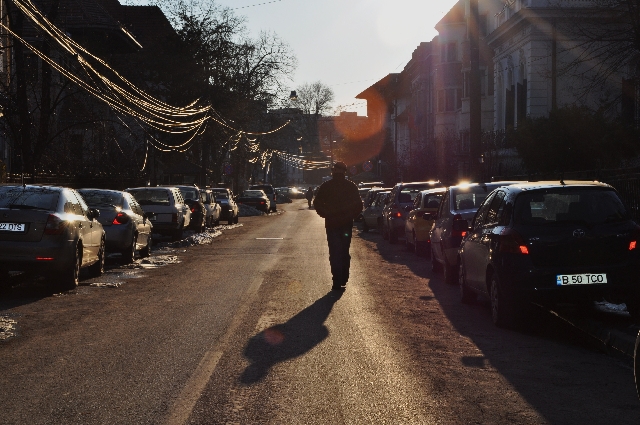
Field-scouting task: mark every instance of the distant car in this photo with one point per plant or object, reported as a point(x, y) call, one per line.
point(127, 227)
point(256, 199)
point(270, 191)
point(400, 203)
point(417, 226)
point(284, 195)
point(172, 214)
point(549, 242)
point(372, 215)
point(228, 207)
point(193, 198)
point(49, 230)
point(212, 208)
point(458, 203)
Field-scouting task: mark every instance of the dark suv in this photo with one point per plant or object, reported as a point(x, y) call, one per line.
point(270, 191)
point(550, 242)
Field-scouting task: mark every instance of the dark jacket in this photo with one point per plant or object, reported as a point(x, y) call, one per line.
point(338, 202)
point(309, 194)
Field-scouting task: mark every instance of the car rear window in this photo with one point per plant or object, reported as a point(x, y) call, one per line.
point(95, 198)
point(267, 189)
point(152, 196)
point(253, 193)
point(408, 195)
point(37, 198)
point(466, 198)
point(190, 193)
point(582, 205)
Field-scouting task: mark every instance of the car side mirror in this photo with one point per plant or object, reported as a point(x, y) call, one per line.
point(429, 216)
point(460, 226)
point(93, 213)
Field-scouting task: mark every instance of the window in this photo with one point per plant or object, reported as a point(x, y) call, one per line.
point(495, 211)
point(483, 211)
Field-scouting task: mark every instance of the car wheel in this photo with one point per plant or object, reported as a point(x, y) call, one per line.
point(129, 254)
point(450, 273)
point(68, 279)
point(146, 251)
point(176, 235)
point(636, 365)
point(503, 310)
point(97, 269)
point(216, 222)
point(365, 226)
point(467, 296)
point(435, 265)
point(393, 236)
point(5, 282)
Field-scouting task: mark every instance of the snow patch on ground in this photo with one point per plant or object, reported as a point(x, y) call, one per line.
point(247, 211)
point(7, 328)
point(611, 308)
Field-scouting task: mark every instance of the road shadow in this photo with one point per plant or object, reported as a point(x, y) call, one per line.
point(288, 340)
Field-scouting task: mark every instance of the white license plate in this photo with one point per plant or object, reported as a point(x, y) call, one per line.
point(12, 227)
point(581, 279)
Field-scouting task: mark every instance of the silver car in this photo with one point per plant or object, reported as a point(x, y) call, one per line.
point(127, 227)
point(211, 207)
point(49, 230)
point(172, 214)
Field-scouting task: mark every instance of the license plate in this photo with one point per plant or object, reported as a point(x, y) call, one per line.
point(12, 227)
point(581, 279)
point(152, 218)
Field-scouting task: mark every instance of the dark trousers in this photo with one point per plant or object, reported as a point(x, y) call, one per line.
point(339, 239)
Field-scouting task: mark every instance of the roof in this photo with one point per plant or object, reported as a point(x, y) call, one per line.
point(559, 184)
point(455, 15)
point(385, 85)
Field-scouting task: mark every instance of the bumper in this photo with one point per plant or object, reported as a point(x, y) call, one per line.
point(118, 238)
point(23, 256)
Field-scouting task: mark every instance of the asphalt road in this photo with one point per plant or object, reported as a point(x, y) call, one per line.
point(246, 331)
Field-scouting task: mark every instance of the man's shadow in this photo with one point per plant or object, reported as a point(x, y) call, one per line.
point(285, 341)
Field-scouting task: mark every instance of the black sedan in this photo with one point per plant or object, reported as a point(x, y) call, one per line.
point(256, 199)
point(550, 242)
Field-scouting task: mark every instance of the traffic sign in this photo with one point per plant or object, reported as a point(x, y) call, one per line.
point(228, 169)
point(353, 170)
point(367, 166)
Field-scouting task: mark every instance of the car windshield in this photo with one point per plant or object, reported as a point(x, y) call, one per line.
point(253, 193)
point(152, 196)
point(37, 198)
point(222, 196)
point(563, 205)
point(101, 198)
point(190, 193)
point(267, 189)
point(468, 198)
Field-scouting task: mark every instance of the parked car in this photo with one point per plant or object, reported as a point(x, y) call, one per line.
point(417, 227)
point(49, 230)
point(399, 204)
point(256, 199)
point(458, 203)
point(193, 198)
point(372, 195)
point(284, 195)
point(127, 227)
point(228, 207)
point(172, 214)
point(569, 241)
point(372, 215)
point(270, 191)
point(212, 208)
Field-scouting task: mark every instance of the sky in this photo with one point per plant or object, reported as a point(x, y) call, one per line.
point(346, 44)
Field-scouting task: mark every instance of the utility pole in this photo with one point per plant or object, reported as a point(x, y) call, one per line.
point(475, 100)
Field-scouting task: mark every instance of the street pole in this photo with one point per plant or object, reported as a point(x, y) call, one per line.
point(475, 100)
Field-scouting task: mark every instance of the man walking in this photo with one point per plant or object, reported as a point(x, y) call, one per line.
point(339, 203)
point(309, 196)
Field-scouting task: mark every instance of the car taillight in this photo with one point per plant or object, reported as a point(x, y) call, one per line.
point(262, 202)
point(120, 218)
point(195, 207)
point(512, 243)
point(635, 236)
point(174, 218)
point(55, 225)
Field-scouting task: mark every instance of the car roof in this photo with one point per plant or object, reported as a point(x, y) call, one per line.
point(491, 184)
point(150, 188)
point(436, 190)
point(548, 184)
point(435, 183)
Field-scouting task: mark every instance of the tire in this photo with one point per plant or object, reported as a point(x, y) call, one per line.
point(146, 251)
point(5, 280)
point(97, 269)
point(467, 296)
point(68, 279)
point(636, 365)
point(365, 227)
point(176, 235)
point(235, 220)
point(450, 273)
point(230, 220)
point(435, 265)
point(217, 222)
point(503, 308)
point(385, 233)
point(129, 254)
point(393, 236)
